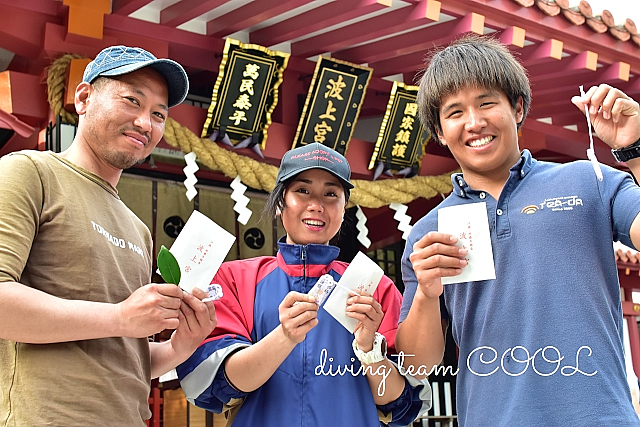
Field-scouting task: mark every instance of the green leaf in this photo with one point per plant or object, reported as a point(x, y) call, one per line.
point(168, 266)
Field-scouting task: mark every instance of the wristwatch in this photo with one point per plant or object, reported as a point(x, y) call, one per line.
point(377, 353)
point(627, 153)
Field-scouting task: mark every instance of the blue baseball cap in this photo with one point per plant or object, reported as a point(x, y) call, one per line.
point(315, 156)
point(119, 60)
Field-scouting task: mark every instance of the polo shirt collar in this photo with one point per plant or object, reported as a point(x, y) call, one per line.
point(520, 170)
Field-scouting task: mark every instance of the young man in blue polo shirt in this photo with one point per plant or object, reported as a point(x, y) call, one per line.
point(540, 345)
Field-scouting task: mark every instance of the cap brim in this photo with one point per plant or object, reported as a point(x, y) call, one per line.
point(173, 73)
point(293, 173)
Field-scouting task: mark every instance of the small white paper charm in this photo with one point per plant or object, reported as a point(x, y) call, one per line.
point(242, 201)
point(200, 248)
point(470, 224)
point(362, 275)
point(322, 288)
point(402, 218)
point(190, 171)
point(215, 292)
point(361, 226)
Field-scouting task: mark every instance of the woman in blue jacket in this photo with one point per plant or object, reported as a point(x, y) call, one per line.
point(274, 358)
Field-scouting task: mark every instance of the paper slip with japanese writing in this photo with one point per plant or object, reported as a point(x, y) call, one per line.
point(470, 224)
point(362, 275)
point(200, 248)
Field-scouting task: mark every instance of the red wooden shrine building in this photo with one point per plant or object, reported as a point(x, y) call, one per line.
point(561, 46)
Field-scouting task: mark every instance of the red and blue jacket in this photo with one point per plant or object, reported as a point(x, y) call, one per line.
point(315, 385)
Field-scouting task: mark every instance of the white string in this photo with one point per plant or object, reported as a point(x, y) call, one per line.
point(591, 154)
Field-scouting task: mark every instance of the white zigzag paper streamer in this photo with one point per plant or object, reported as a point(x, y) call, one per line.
point(190, 171)
point(362, 228)
point(244, 213)
point(402, 218)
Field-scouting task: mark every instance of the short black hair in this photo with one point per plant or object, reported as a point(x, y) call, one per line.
point(470, 61)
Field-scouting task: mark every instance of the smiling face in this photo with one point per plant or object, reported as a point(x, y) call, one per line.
point(314, 207)
point(122, 118)
point(480, 128)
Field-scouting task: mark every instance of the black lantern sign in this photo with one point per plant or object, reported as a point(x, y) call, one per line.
point(333, 104)
point(402, 139)
point(245, 94)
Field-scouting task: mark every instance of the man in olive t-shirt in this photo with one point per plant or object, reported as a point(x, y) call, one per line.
point(76, 306)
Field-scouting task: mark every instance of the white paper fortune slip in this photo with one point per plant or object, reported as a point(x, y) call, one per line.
point(362, 275)
point(200, 248)
point(470, 224)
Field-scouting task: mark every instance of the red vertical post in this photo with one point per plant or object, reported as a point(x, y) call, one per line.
point(634, 338)
point(155, 404)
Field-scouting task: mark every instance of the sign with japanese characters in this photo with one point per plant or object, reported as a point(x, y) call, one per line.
point(333, 104)
point(402, 138)
point(245, 93)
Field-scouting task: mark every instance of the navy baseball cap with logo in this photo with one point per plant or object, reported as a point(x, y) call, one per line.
point(315, 156)
point(119, 60)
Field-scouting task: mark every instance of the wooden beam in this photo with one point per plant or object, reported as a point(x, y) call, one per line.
point(22, 95)
point(382, 25)
point(314, 20)
point(249, 15)
point(411, 42)
point(616, 72)
point(86, 17)
point(570, 72)
point(9, 121)
point(186, 10)
point(513, 36)
point(22, 31)
point(398, 63)
point(127, 7)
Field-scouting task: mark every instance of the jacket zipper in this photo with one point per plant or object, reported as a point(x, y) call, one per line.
point(304, 343)
point(304, 265)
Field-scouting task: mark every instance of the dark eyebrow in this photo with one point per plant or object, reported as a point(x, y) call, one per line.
point(448, 107)
point(489, 94)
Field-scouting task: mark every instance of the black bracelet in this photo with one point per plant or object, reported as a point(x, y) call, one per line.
point(627, 153)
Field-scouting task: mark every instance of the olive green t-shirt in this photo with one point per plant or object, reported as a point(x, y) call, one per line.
point(65, 231)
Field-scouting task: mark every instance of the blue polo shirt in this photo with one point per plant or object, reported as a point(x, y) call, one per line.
point(541, 345)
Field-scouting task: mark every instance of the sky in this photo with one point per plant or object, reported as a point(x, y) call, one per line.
point(620, 9)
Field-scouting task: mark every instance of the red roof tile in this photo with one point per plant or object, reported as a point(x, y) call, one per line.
point(581, 14)
point(625, 254)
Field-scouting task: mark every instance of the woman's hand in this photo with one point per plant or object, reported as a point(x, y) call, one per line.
point(298, 315)
point(365, 309)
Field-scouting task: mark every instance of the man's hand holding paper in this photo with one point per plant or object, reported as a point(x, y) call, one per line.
point(436, 256)
point(460, 251)
point(470, 225)
point(199, 249)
